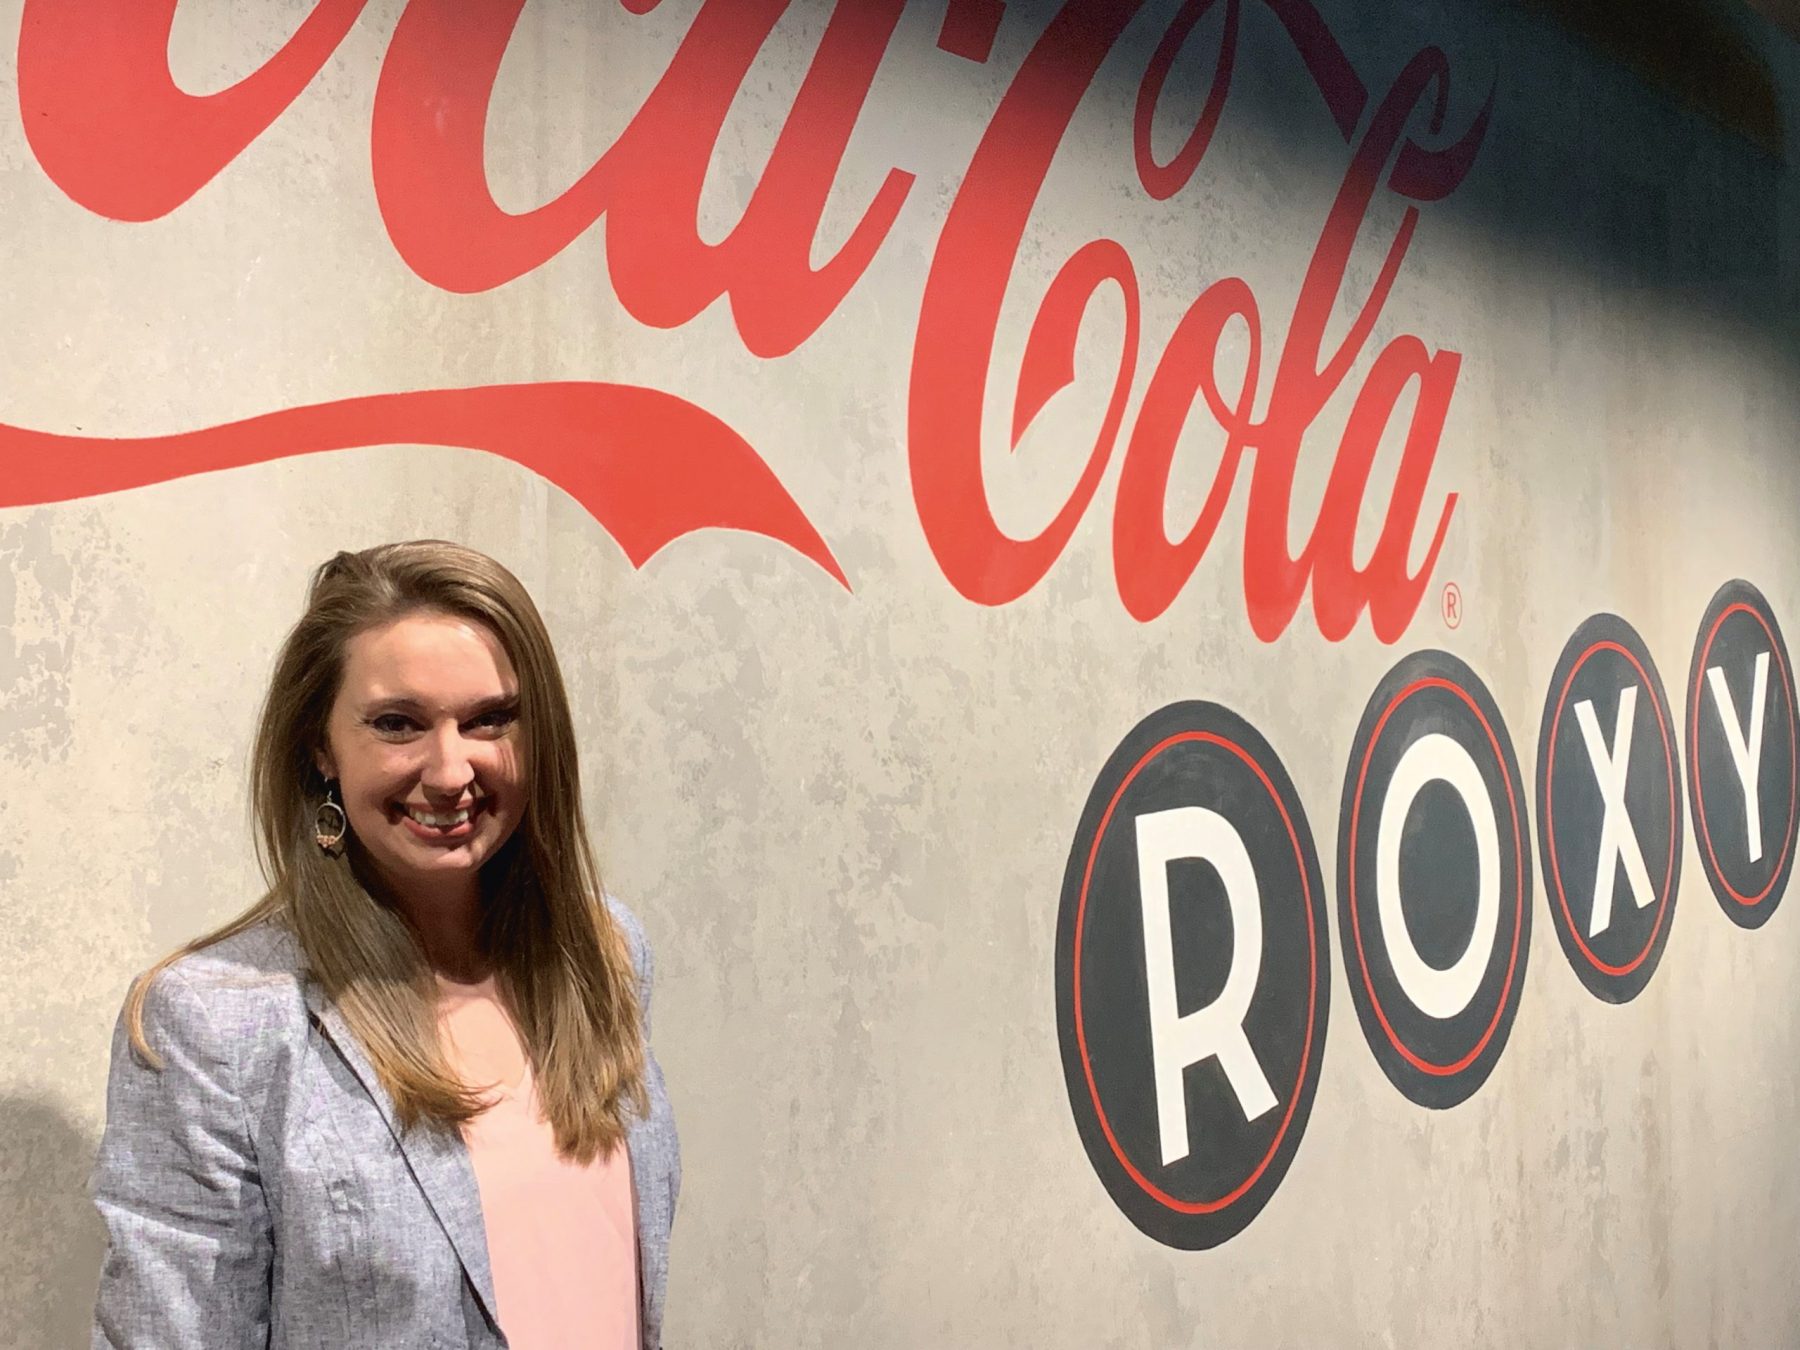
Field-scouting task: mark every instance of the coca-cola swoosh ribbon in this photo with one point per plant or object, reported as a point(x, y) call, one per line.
point(649, 466)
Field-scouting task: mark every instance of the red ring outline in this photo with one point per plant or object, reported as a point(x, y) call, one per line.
point(1549, 822)
point(1149, 1187)
point(1425, 1065)
point(1787, 838)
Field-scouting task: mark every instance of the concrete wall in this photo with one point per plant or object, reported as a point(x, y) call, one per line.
point(846, 809)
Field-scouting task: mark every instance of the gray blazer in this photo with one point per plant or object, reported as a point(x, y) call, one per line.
point(257, 1191)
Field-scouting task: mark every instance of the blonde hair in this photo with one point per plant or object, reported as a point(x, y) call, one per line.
point(561, 961)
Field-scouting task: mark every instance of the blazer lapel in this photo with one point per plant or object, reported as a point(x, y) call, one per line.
point(438, 1159)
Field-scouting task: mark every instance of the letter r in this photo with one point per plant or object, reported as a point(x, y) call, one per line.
point(1217, 1030)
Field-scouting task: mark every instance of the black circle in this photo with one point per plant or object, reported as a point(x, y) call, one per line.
point(1435, 1061)
point(1737, 629)
point(1604, 664)
point(1201, 758)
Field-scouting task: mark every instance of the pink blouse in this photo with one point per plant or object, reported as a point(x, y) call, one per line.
point(562, 1238)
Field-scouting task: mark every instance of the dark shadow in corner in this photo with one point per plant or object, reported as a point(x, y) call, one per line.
point(52, 1241)
point(1694, 51)
point(1648, 148)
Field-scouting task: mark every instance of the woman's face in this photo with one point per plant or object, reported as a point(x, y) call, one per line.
point(424, 740)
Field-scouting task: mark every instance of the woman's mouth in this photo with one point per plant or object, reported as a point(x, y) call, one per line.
point(437, 826)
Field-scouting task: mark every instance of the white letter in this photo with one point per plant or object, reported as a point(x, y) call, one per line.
point(1218, 1028)
point(1746, 754)
point(1437, 758)
point(1618, 840)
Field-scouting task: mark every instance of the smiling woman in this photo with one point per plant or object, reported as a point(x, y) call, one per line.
point(422, 741)
point(406, 1097)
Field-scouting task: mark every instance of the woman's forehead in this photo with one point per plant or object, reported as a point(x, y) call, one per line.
point(429, 656)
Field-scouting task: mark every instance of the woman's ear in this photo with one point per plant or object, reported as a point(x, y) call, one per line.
point(322, 759)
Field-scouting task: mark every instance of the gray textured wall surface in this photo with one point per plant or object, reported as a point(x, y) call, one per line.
point(844, 812)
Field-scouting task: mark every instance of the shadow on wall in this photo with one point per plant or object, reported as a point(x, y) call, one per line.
point(1651, 147)
point(1693, 50)
point(52, 1241)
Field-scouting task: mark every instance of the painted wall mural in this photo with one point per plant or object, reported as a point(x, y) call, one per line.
point(1749, 746)
point(1188, 1038)
point(112, 130)
point(1591, 804)
point(1120, 566)
point(1193, 798)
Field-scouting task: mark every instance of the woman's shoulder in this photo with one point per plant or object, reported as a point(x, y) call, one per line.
point(623, 916)
point(643, 964)
point(262, 957)
point(241, 988)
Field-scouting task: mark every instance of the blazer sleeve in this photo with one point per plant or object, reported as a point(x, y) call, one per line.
point(189, 1245)
point(643, 961)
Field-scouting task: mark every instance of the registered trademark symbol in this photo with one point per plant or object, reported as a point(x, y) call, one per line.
point(1453, 611)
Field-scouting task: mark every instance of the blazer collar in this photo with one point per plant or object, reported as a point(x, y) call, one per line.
point(437, 1158)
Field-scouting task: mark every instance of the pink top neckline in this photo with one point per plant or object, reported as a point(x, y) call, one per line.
point(562, 1236)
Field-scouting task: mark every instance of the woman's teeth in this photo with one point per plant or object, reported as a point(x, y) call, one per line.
point(438, 821)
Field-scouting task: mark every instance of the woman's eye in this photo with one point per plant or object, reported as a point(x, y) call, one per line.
point(390, 724)
point(498, 718)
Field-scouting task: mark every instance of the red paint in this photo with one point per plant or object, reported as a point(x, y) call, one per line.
point(428, 149)
point(1165, 180)
point(650, 466)
point(969, 27)
point(982, 238)
point(1148, 1186)
point(108, 124)
point(111, 129)
point(960, 314)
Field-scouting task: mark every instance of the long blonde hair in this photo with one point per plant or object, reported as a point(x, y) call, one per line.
point(561, 961)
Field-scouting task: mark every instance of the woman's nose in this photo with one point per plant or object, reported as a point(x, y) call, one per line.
point(448, 767)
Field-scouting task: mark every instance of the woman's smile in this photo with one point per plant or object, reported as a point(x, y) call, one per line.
point(440, 825)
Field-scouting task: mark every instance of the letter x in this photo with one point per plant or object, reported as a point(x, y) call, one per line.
point(1618, 840)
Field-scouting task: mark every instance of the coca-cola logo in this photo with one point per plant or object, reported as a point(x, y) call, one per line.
point(110, 127)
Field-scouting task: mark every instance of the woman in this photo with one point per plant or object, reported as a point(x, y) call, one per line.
point(406, 1098)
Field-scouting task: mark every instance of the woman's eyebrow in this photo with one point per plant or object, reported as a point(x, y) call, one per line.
point(495, 702)
point(411, 704)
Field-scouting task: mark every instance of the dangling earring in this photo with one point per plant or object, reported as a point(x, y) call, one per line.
point(329, 821)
